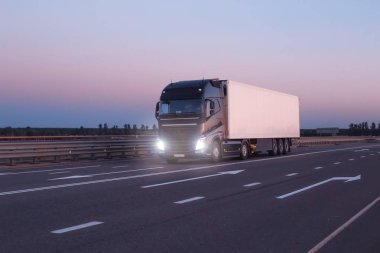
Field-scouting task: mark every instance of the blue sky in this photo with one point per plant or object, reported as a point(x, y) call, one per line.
point(73, 63)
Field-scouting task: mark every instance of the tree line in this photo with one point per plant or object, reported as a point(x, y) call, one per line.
point(102, 129)
point(363, 129)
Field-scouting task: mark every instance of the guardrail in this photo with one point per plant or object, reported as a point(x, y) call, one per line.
point(15, 150)
point(57, 149)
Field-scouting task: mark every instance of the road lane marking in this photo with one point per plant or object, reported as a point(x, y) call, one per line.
point(291, 174)
point(252, 184)
point(361, 150)
point(371, 154)
point(176, 171)
point(101, 174)
point(343, 227)
point(318, 168)
point(40, 171)
point(120, 166)
point(346, 179)
point(351, 159)
point(189, 200)
point(336, 163)
point(363, 156)
point(59, 172)
point(77, 227)
point(232, 172)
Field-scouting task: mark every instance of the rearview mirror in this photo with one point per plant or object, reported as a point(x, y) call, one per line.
point(157, 113)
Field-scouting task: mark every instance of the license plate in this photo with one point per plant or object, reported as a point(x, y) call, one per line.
point(179, 155)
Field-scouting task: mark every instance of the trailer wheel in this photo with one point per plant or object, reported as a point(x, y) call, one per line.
point(286, 146)
point(216, 153)
point(244, 150)
point(280, 147)
point(274, 150)
point(289, 144)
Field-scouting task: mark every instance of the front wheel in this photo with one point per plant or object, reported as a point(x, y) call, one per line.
point(244, 151)
point(216, 153)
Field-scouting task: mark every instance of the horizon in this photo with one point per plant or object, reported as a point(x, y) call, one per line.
point(79, 63)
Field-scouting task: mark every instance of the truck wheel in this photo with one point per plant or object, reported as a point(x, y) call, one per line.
point(244, 150)
point(280, 146)
point(171, 160)
point(274, 150)
point(286, 146)
point(289, 148)
point(216, 153)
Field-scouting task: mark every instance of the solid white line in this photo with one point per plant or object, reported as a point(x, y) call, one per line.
point(39, 171)
point(343, 227)
point(252, 184)
point(336, 163)
point(59, 172)
point(120, 166)
point(318, 168)
point(81, 226)
point(188, 200)
point(106, 173)
point(351, 159)
point(291, 174)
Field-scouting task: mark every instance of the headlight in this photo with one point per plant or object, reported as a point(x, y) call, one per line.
point(160, 145)
point(201, 144)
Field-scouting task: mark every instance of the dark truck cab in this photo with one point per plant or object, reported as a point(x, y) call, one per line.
point(190, 116)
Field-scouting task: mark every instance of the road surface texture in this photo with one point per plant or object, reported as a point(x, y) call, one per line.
point(316, 199)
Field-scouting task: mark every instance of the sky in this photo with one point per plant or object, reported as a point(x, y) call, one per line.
point(82, 63)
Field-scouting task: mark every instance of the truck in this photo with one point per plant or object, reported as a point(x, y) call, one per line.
point(215, 119)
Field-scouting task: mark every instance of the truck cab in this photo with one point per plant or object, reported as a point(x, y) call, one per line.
point(191, 116)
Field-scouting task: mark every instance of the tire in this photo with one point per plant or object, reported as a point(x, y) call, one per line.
point(216, 153)
point(244, 150)
point(289, 146)
point(280, 146)
point(274, 150)
point(171, 160)
point(286, 146)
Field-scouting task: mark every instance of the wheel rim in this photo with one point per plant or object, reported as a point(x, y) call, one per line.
point(275, 147)
point(280, 146)
point(286, 146)
point(244, 150)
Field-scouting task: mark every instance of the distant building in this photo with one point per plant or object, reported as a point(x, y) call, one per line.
point(329, 131)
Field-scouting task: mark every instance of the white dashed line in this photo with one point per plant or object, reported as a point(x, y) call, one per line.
point(318, 168)
point(351, 159)
point(336, 163)
point(252, 184)
point(363, 156)
point(291, 174)
point(40, 171)
point(81, 226)
point(120, 166)
point(371, 154)
point(188, 200)
point(60, 172)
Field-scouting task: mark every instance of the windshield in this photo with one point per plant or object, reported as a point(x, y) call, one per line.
point(181, 106)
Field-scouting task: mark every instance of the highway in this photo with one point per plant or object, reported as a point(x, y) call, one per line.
point(314, 199)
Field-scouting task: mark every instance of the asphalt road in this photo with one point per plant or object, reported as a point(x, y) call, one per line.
point(321, 199)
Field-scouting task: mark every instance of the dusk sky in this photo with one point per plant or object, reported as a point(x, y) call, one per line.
point(81, 63)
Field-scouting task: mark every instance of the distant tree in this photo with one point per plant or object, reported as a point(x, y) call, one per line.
point(134, 127)
point(105, 126)
point(154, 127)
point(142, 127)
point(373, 129)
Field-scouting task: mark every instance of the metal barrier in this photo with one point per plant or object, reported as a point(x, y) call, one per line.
point(56, 148)
point(36, 151)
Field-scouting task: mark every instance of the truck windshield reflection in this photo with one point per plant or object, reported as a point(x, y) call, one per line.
point(192, 106)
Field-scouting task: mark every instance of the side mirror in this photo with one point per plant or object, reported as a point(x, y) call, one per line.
point(157, 113)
